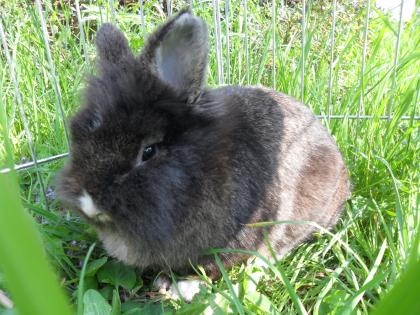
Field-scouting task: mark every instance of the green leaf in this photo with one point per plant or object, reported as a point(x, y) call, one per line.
point(218, 305)
point(95, 265)
point(147, 309)
point(117, 274)
point(107, 292)
point(134, 311)
point(89, 283)
point(191, 309)
point(95, 304)
point(116, 303)
point(128, 306)
point(138, 286)
point(336, 301)
point(261, 302)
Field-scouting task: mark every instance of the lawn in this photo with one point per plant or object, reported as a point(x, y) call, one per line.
point(361, 76)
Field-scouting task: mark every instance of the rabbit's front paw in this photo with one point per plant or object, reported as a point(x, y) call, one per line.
point(162, 284)
point(185, 289)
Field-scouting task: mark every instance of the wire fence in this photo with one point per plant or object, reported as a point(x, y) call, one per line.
point(223, 61)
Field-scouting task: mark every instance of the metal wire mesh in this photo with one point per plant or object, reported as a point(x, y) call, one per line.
point(223, 61)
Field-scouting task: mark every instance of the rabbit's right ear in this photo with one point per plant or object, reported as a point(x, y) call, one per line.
point(111, 45)
point(177, 53)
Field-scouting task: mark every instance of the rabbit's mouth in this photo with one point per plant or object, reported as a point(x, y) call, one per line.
point(90, 209)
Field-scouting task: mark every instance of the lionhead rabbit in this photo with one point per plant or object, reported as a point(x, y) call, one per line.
point(165, 168)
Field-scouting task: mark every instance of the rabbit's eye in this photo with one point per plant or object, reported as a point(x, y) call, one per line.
point(149, 152)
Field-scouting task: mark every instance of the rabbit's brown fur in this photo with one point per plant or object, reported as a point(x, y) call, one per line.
point(227, 157)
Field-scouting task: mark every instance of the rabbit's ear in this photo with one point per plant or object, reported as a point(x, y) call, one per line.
point(177, 53)
point(111, 44)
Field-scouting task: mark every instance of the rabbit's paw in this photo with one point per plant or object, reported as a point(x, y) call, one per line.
point(162, 284)
point(185, 289)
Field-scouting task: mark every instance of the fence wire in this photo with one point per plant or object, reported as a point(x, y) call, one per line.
point(330, 80)
point(302, 66)
point(224, 67)
point(362, 70)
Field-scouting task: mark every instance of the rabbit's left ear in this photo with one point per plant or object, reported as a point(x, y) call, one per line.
point(177, 53)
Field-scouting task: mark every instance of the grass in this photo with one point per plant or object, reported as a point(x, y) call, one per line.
point(347, 270)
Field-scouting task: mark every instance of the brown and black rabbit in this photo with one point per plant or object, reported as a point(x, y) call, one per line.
point(165, 168)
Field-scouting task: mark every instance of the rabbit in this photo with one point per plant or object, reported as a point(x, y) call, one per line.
point(165, 168)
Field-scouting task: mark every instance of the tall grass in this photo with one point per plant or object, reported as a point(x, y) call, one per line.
point(348, 270)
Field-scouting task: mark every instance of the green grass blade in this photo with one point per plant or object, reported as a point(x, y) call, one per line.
point(278, 271)
point(370, 276)
point(80, 288)
point(398, 208)
point(34, 287)
point(236, 301)
point(403, 298)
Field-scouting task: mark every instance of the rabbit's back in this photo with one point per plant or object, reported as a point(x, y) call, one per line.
point(305, 176)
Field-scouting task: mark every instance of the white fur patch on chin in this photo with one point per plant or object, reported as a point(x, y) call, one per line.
point(185, 289)
point(87, 205)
